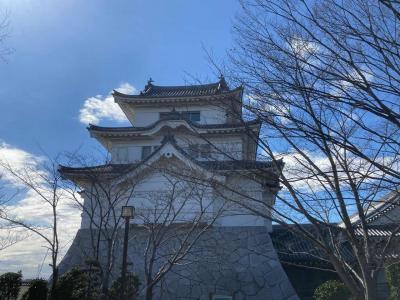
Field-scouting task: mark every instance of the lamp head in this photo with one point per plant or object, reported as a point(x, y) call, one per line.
point(127, 212)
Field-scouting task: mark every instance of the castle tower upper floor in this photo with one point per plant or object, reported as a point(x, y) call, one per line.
point(206, 121)
point(213, 103)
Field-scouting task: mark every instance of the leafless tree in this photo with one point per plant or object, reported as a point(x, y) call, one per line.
point(168, 221)
point(41, 178)
point(103, 196)
point(4, 34)
point(172, 223)
point(323, 77)
point(8, 236)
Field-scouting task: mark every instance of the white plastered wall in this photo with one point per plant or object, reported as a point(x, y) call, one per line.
point(147, 115)
point(223, 147)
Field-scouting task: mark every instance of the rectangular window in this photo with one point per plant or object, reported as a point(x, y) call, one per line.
point(122, 154)
point(221, 297)
point(164, 115)
point(146, 151)
point(193, 116)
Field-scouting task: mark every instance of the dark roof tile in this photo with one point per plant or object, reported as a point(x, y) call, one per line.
point(295, 248)
point(193, 124)
point(155, 91)
point(238, 164)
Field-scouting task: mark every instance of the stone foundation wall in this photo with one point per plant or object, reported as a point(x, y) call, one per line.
point(236, 261)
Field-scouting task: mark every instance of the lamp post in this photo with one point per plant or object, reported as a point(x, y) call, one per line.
point(127, 213)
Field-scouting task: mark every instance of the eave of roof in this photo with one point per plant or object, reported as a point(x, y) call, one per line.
point(227, 127)
point(385, 205)
point(226, 165)
point(100, 169)
point(214, 165)
point(379, 231)
point(210, 165)
point(116, 170)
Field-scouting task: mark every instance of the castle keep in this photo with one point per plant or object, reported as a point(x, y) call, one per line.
point(188, 166)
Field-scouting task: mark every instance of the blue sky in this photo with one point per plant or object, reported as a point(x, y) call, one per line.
point(69, 55)
point(68, 51)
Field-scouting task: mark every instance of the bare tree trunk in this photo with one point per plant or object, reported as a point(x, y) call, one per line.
point(54, 280)
point(149, 293)
point(106, 279)
point(371, 284)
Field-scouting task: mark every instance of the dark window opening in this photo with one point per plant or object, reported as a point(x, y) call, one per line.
point(146, 151)
point(193, 116)
point(199, 151)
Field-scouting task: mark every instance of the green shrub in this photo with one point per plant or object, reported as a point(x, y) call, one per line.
point(37, 290)
point(392, 273)
point(77, 284)
point(10, 284)
point(131, 290)
point(332, 290)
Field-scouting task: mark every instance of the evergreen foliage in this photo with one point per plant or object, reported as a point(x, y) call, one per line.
point(332, 290)
point(37, 290)
point(392, 273)
point(77, 284)
point(10, 284)
point(132, 288)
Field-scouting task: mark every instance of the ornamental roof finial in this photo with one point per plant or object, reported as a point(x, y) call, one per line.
point(222, 83)
point(148, 85)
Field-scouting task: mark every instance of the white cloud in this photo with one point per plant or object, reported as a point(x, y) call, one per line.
point(16, 158)
point(103, 107)
point(304, 50)
point(300, 174)
point(30, 254)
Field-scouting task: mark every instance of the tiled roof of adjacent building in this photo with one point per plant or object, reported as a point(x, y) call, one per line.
point(294, 248)
point(155, 91)
point(379, 230)
point(377, 209)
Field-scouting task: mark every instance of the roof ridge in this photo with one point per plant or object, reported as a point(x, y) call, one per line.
point(185, 86)
point(176, 91)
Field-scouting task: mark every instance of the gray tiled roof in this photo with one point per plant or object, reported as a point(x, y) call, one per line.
point(184, 91)
point(116, 169)
point(120, 169)
point(210, 165)
point(294, 248)
point(156, 91)
point(238, 164)
point(193, 124)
